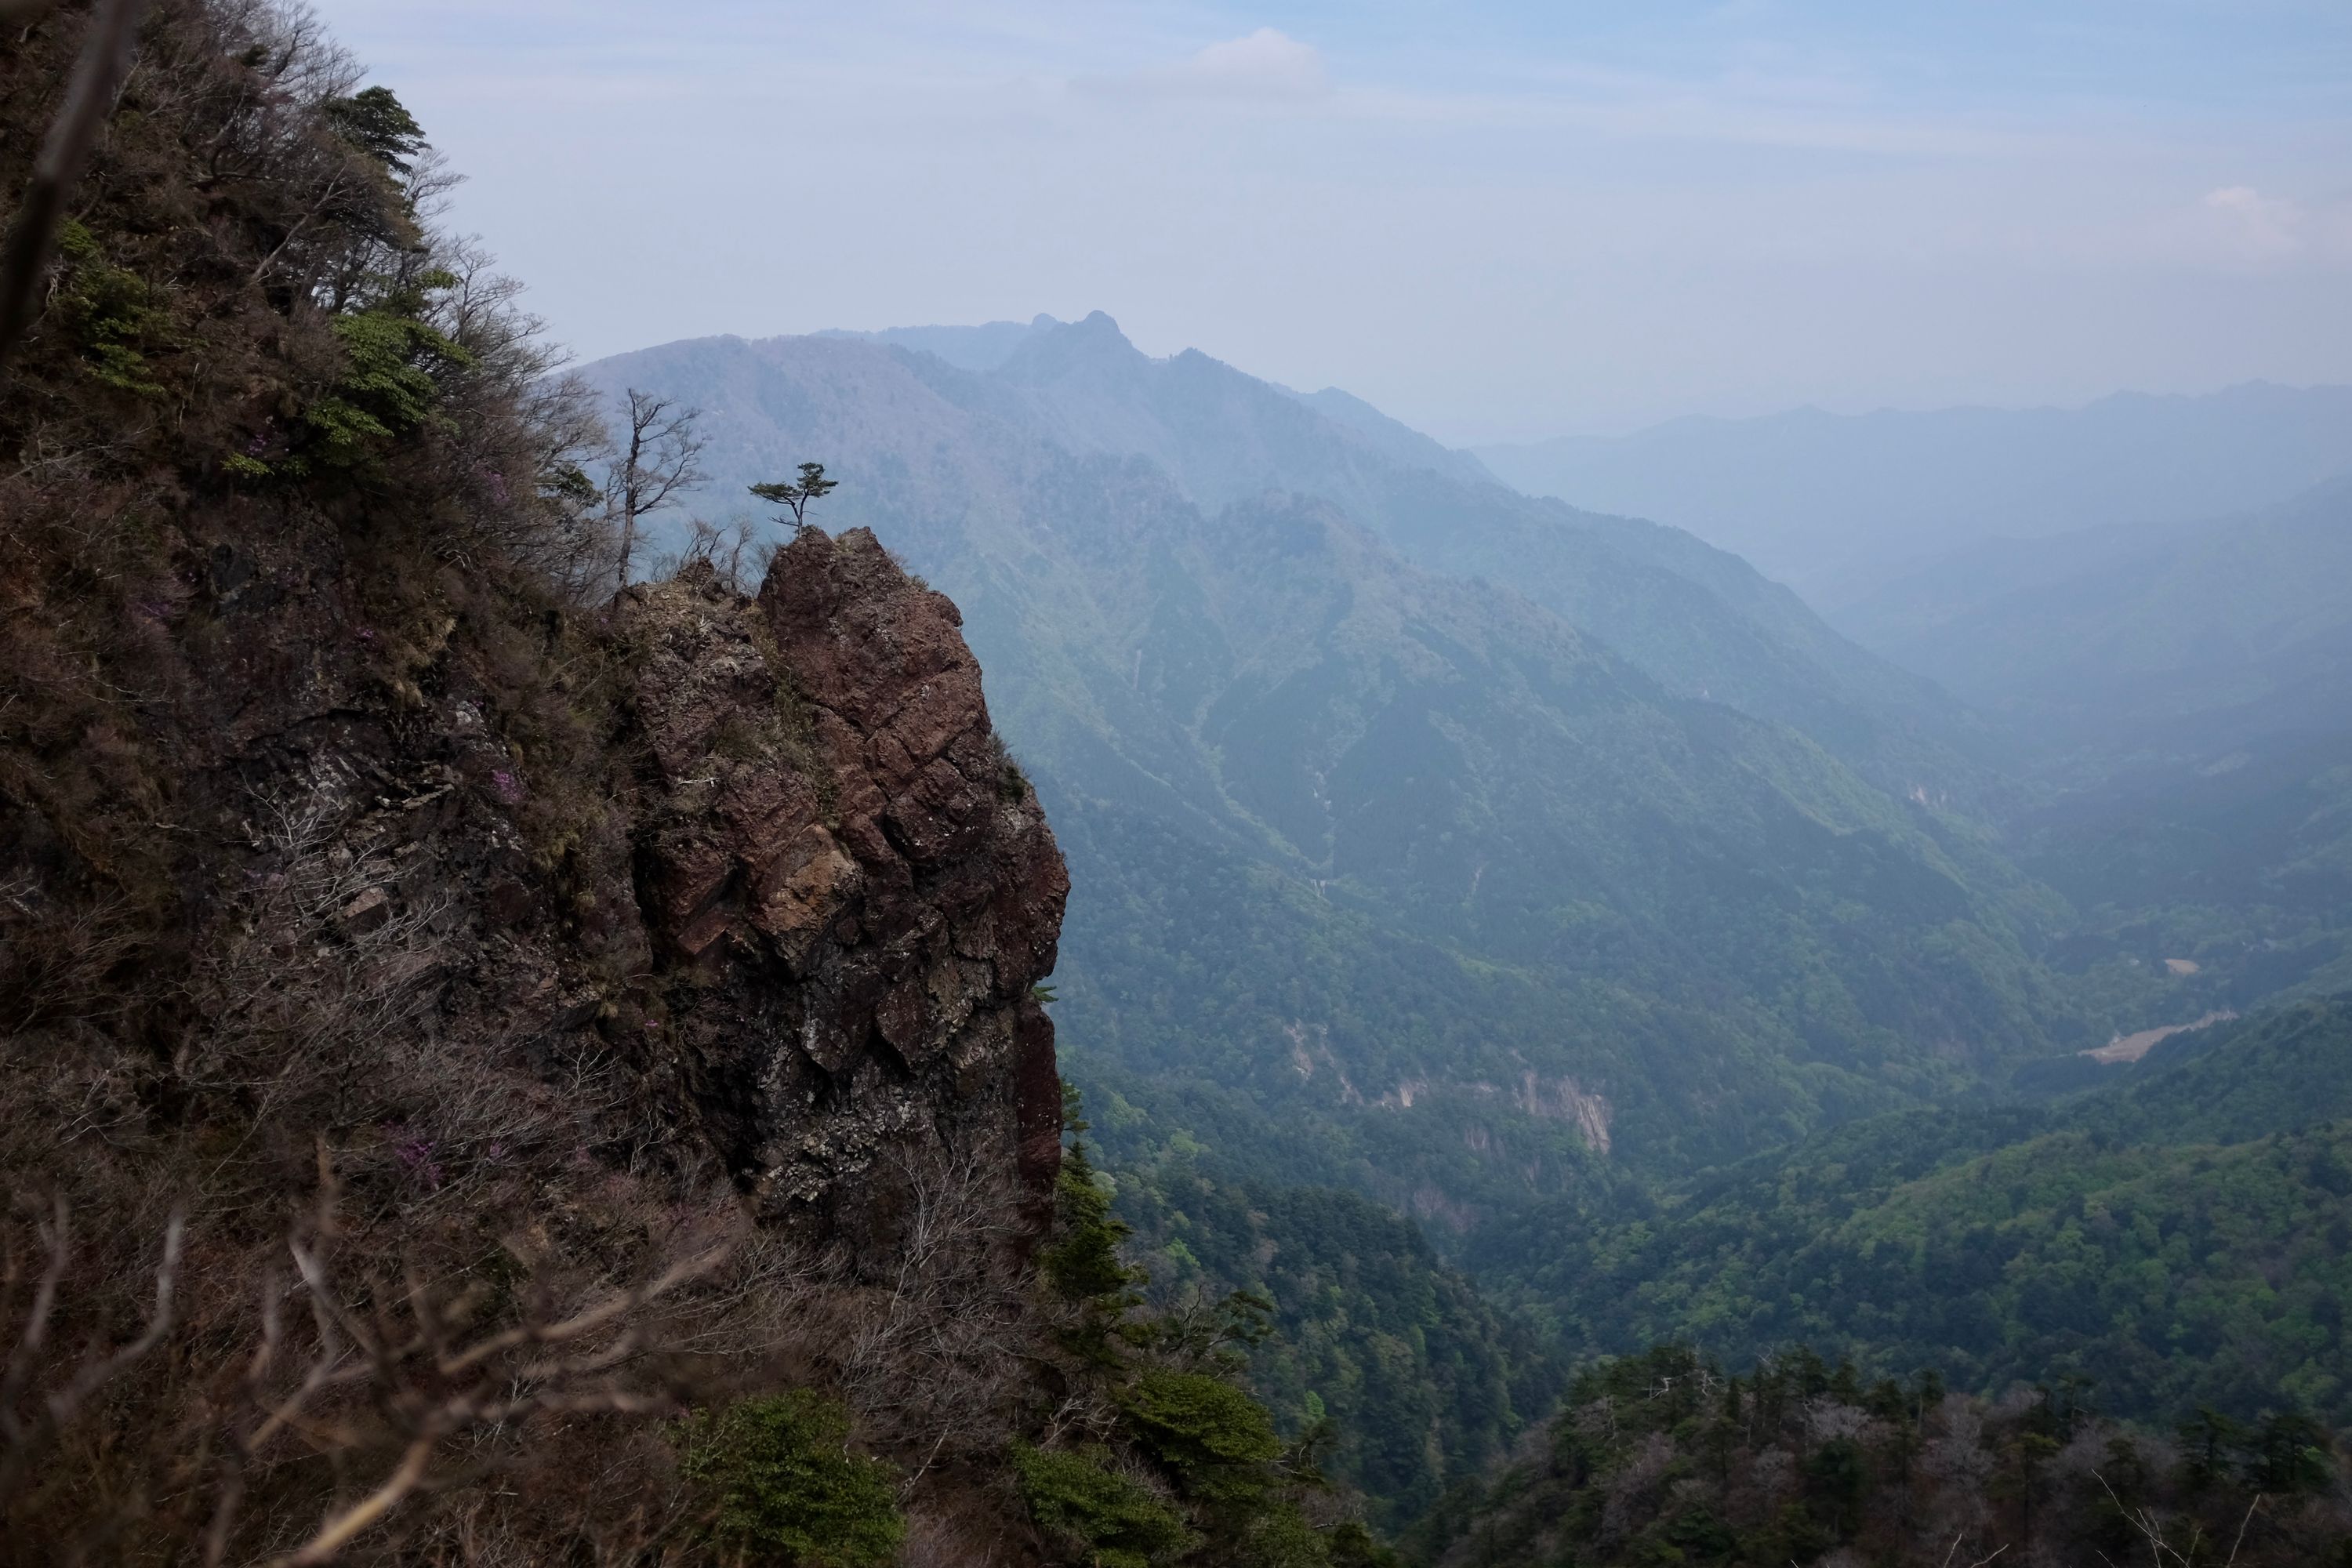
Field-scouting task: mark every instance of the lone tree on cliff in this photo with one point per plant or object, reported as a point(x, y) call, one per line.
point(797, 497)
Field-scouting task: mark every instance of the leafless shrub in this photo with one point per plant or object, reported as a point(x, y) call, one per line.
point(935, 1541)
point(2172, 1539)
point(935, 1359)
point(32, 1416)
point(1827, 1419)
point(323, 954)
point(358, 1404)
point(660, 454)
point(732, 551)
point(1632, 1482)
point(419, 1371)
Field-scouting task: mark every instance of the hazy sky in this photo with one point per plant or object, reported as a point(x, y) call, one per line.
point(1494, 221)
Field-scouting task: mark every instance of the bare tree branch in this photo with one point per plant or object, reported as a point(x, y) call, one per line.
point(661, 456)
point(97, 76)
point(23, 1437)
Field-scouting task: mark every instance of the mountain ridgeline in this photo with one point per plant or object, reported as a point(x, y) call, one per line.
point(534, 1031)
point(1496, 847)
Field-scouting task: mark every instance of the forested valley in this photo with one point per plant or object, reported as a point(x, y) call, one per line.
point(967, 946)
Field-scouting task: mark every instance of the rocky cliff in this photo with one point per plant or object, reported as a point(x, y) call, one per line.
point(837, 855)
point(765, 869)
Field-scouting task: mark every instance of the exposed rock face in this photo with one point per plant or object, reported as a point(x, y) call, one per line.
point(852, 878)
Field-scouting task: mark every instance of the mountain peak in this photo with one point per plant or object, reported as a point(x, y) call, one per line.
point(1051, 351)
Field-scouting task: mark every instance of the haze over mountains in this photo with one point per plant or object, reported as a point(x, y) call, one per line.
point(2195, 633)
point(1519, 866)
point(1522, 963)
point(1836, 505)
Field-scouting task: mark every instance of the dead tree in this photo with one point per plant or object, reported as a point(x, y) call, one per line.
point(661, 456)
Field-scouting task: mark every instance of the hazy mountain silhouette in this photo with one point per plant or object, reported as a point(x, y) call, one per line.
point(2186, 636)
point(1837, 504)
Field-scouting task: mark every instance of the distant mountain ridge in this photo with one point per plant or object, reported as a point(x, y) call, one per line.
point(1656, 594)
point(1838, 504)
point(2222, 630)
point(1426, 838)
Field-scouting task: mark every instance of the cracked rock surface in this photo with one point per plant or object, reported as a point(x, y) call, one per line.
point(850, 877)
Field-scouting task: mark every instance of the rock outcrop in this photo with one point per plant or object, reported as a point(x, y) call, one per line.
point(851, 877)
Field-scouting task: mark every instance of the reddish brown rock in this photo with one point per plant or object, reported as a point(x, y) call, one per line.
point(858, 883)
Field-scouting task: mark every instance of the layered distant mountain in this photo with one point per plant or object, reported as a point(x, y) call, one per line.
point(2186, 636)
point(1460, 846)
point(2189, 689)
point(1837, 504)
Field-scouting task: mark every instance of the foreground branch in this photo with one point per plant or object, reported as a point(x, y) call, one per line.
point(97, 77)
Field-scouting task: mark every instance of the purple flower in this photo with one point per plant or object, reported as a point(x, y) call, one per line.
point(415, 1152)
point(509, 787)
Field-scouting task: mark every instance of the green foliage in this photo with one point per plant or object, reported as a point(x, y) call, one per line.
point(1415, 1380)
point(1282, 1537)
point(782, 1486)
point(1213, 1435)
point(112, 312)
point(1082, 1259)
point(1353, 1546)
point(375, 121)
point(796, 496)
point(1077, 1495)
point(2097, 1239)
point(392, 380)
point(1174, 1377)
point(2279, 1071)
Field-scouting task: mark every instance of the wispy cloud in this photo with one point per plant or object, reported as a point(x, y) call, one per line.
point(2264, 227)
point(1263, 66)
point(2250, 225)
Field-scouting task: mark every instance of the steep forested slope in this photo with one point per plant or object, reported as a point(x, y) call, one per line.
point(2182, 704)
point(1700, 621)
point(1420, 1381)
point(2179, 1236)
point(1483, 894)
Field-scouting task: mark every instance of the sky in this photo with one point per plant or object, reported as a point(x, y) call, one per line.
point(1498, 222)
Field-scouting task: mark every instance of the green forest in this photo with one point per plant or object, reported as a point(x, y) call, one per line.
point(2177, 1239)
